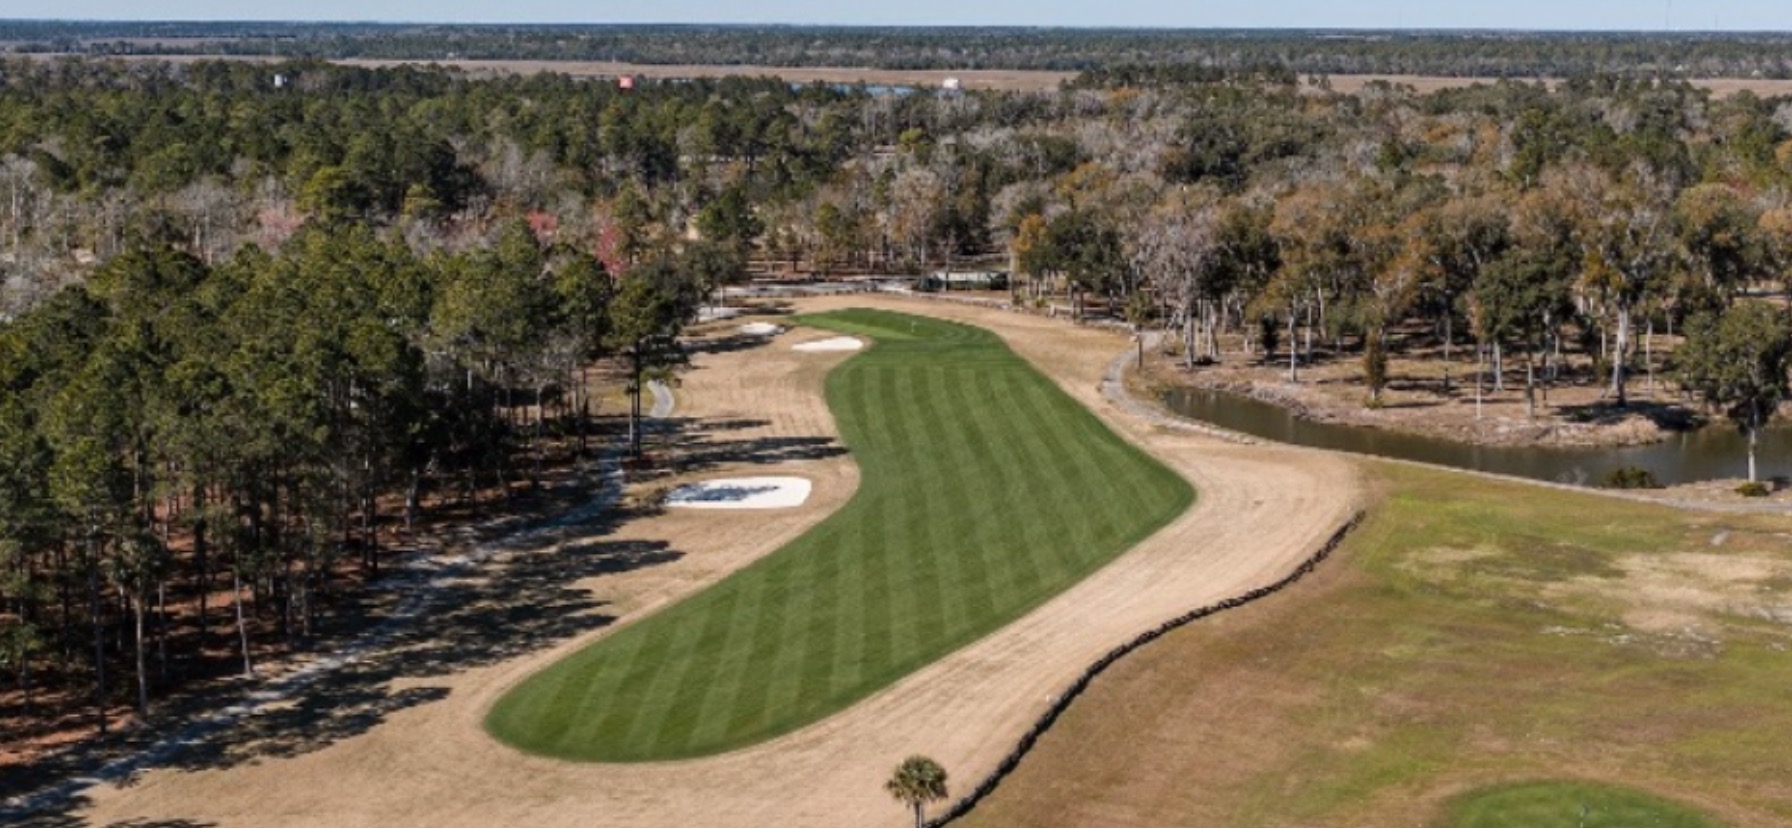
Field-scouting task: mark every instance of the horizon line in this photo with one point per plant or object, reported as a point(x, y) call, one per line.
point(1520, 30)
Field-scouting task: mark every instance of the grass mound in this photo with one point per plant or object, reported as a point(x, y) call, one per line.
point(986, 491)
point(1568, 805)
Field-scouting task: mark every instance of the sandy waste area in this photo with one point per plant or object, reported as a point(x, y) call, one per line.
point(1261, 510)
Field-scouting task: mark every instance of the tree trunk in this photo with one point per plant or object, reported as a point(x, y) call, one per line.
point(142, 674)
point(1293, 348)
point(242, 624)
point(203, 564)
point(99, 633)
point(1649, 351)
point(582, 400)
point(1447, 338)
point(1308, 333)
point(634, 410)
point(25, 685)
point(1620, 345)
point(370, 531)
point(1499, 368)
point(1530, 385)
point(411, 497)
point(1752, 478)
point(1754, 430)
point(162, 631)
point(1480, 375)
point(1188, 338)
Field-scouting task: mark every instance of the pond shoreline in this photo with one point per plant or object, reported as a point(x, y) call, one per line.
point(1310, 402)
point(1693, 464)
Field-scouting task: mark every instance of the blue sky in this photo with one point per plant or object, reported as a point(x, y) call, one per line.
point(1521, 14)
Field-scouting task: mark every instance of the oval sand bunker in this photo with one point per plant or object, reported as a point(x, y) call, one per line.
point(838, 343)
point(742, 493)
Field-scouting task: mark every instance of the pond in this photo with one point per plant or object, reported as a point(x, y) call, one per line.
point(1715, 452)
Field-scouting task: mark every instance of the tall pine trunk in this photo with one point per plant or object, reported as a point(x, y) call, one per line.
point(242, 623)
point(142, 673)
point(99, 632)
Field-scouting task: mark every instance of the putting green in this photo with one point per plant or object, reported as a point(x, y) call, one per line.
point(985, 491)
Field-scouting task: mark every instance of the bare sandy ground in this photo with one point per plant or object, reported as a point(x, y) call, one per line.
point(1261, 511)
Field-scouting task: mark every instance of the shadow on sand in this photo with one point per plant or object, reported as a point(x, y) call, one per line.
point(522, 600)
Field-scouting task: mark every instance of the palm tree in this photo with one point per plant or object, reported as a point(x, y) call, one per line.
point(918, 781)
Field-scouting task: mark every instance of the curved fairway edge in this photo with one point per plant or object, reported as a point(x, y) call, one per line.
point(986, 490)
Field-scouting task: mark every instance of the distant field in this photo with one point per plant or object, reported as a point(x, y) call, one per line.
point(989, 79)
point(986, 490)
point(1004, 80)
point(1483, 654)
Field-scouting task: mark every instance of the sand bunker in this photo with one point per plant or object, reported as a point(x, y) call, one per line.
point(742, 493)
point(838, 343)
point(761, 329)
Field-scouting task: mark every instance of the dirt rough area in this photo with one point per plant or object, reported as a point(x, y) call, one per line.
point(1261, 510)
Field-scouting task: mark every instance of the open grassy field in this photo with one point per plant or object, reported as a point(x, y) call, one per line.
point(1481, 654)
point(985, 491)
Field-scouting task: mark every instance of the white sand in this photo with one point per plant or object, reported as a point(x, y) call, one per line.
point(838, 343)
point(742, 493)
point(761, 329)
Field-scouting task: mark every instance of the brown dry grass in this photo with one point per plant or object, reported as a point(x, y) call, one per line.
point(1474, 632)
point(1261, 511)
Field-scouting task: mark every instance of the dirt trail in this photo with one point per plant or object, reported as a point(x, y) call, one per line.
point(1261, 511)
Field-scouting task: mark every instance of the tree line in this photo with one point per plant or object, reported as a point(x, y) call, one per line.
point(202, 457)
point(1313, 52)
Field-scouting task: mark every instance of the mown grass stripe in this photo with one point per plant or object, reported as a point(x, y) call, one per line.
point(985, 490)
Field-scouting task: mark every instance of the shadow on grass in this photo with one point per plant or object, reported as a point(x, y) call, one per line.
point(523, 600)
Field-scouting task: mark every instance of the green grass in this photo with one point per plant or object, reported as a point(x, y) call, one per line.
point(1568, 805)
point(1471, 630)
point(985, 491)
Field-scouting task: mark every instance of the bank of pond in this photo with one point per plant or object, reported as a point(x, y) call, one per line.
point(1717, 451)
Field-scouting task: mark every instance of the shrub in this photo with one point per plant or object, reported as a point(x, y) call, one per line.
point(1753, 489)
point(1631, 477)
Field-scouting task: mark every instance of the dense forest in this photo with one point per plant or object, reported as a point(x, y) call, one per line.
point(1463, 54)
point(253, 314)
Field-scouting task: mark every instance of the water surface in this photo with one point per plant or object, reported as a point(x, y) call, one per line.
point(1717, 451)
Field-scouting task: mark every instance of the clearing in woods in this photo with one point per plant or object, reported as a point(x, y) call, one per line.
point(986, 490)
